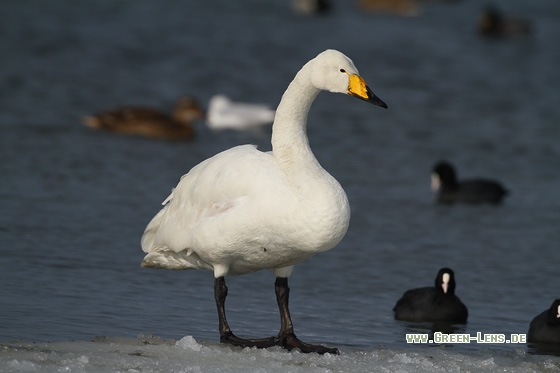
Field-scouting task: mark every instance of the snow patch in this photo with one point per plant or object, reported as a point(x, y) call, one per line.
point(188, 343)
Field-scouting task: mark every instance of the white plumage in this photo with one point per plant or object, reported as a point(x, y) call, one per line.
point(244, 210)
point(223, 215)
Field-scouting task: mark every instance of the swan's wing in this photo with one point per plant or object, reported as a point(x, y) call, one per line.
point(230, 181)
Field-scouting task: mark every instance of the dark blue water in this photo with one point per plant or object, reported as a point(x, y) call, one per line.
point(75, 202)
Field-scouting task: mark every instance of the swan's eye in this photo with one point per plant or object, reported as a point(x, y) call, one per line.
point(342, 70)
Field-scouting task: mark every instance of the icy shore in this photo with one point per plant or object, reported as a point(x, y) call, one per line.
point(153, 354)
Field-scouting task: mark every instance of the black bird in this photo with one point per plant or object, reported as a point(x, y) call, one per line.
point(545, 327)
point(432, 304)
point(449, 190)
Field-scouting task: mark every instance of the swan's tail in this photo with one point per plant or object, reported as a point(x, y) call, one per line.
point(147, 240)
point(161, 256)
point(152, 228)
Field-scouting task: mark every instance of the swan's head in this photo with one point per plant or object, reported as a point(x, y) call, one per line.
point(333, 71)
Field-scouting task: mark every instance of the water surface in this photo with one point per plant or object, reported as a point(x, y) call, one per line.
point(75, 202)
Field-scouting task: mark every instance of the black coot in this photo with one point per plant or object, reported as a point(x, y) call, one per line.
point(437, 303)
point(449, 190)
point(545, 327)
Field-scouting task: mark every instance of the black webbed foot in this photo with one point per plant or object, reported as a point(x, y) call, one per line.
point(232, 339)
point(286, 337)
point(290, 341)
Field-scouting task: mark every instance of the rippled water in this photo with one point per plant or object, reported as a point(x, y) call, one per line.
point(75, 202)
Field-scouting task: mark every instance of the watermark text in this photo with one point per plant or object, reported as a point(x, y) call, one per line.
point(440, 338)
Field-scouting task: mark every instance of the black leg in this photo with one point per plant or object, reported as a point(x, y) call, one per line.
point(220, 294)
point(286, 336)
point(226, 335)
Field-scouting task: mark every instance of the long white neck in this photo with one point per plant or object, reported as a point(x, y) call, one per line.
point(290, 145)
point(322, 206)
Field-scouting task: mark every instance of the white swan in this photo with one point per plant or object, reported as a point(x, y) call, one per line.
point(224, 113)
point(244, 210)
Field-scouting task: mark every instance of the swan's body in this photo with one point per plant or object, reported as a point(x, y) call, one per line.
point(224, 113)
point(438, 303)
point(228, 209)
point(247, 218)
point(150, 122)
point(244, 210)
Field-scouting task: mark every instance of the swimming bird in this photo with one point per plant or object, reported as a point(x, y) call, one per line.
point(150, 122)
point(438, 303)
point(407, 8)
point(224, 113)
point(545, 327)
point(244, 210)
point(492, 23)
point(449, 190)
point(311, 7)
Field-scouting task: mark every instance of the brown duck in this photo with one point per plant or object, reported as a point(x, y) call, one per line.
point(150, 122)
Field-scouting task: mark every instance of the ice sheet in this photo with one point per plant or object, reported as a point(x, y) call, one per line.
point(153, 354)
